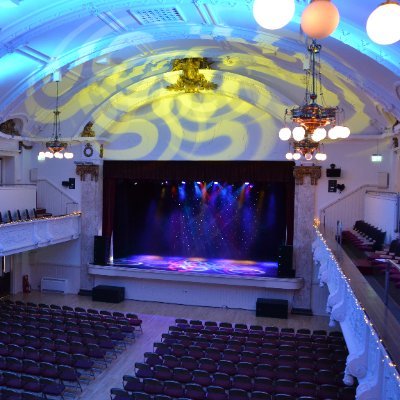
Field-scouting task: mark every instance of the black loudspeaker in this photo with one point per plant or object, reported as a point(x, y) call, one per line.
point(285, 262)
point(273, 308)
point(101, 250)
point(109, 294)
point(333, 172)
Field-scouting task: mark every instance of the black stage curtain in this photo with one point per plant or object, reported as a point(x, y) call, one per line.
point(116, 172)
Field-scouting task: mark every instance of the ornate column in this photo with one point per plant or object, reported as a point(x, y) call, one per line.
point(91, 207)
point(306, 178)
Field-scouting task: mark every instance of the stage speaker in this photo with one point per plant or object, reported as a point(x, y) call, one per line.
point(285, 262)
point(273, 308)
point(109, 294)
point(101, 250)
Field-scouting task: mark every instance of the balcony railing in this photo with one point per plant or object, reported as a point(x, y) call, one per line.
point(370, 329)
point(16, 237)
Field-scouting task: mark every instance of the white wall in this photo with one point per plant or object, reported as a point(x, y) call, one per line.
point(354, 159)
point(382, 211)
point(17, 198)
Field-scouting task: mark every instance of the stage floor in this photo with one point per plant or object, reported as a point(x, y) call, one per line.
point(200, 265)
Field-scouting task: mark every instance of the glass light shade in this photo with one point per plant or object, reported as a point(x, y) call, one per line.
point(289, 156)
point(383, 25)
point(308, 156)
point(273, 14)
point(319, 134)
point(285, 133)
point(344, 132)
point(319, 19)
point(320, 156)
point(49, 154)
point(296, 156)
point(68, 155)
point(298, 133)
point(332, 133)
point(58, 155)
point(41, 156)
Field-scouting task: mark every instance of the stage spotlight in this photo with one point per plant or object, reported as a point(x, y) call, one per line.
point(198, 182)
point(183, 183)
point(215, 183)
point(247, 183)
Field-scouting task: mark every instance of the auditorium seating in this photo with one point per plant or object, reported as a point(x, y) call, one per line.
point(23, 215)
point(223, 361)
point(364, 236)
point(51, 350)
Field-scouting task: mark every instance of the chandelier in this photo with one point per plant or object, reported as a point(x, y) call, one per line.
point(311, 118)
point(55, 145)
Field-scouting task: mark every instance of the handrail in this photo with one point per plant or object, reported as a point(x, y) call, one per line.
point(346, 196)
point(352, 210)
point(54, 200)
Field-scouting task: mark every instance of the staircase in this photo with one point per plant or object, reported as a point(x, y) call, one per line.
point(347, 210)
point(52, 200)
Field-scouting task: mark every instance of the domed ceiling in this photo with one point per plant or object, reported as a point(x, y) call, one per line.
point(116, 59)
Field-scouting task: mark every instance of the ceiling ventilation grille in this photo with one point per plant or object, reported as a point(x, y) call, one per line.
point(158, 15)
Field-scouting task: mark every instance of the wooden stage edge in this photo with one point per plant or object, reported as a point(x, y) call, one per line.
point(195, 289)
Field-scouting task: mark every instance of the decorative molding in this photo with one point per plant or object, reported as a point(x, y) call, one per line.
point(299, 172)
point(191, 80)
point(93, 170)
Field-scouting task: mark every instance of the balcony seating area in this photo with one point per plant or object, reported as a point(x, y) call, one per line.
point(364, 236)
point(49, 351)
point(365, 246)
point(23, 215)
point(222, 361)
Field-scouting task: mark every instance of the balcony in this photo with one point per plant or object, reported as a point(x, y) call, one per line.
point(370, 329)
point(17, 237)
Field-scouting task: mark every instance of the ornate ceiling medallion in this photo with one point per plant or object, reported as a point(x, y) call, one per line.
point(191, 80)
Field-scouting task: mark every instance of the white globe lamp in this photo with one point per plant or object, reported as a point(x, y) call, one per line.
point(273, 14)
point(383, 25)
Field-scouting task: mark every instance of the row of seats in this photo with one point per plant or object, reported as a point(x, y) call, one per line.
point(252, 353)
point(22, 215)
point(214, 360)
point(364, 236)
point(239, 388)
point(68, 313)
point(48, 387)
point(240, 341)
point(206, 377)
point(243, 328)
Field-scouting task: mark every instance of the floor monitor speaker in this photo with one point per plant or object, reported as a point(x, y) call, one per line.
point(274, 308)
point(101, 253)
point(109, 294)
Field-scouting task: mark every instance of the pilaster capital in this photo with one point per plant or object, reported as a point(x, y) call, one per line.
point(299, 172)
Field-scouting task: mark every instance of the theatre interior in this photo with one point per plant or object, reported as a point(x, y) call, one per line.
point(199, 199)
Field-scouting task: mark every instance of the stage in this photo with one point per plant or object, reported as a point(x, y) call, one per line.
point(196, 281)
